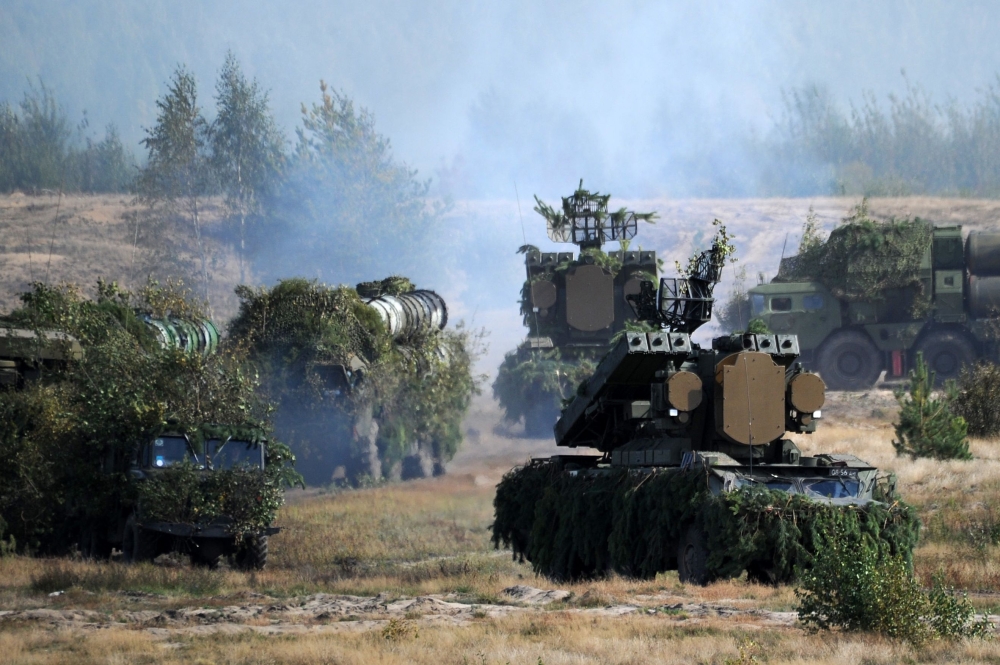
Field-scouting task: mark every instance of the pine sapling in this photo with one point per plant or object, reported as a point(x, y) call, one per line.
point(927, 425)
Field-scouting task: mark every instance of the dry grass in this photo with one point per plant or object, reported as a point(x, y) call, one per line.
point(80, 238)
point(552, 639)
point(432, 537)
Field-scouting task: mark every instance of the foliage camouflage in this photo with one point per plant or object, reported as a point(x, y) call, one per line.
point(863, 257)
point(586, 204)
point(873, 590)
point(61, 431)
point(299, 331)
point(927, 425)
point(527, 378)
point(978, 399)
point(573, 527)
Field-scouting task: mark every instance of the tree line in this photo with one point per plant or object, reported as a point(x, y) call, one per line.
point(335, 196)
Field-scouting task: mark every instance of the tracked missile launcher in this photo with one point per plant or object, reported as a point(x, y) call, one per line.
point(695, 469)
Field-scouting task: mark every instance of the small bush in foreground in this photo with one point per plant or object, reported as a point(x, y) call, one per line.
point(978, 399)
point(927, 426)
point(868, 590)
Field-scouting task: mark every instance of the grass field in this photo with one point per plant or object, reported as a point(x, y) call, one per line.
point(406, 573)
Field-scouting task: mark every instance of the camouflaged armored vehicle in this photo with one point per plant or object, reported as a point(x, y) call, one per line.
point(573, 306)
point(368, 381)
point(694, 470)
point(143, 530)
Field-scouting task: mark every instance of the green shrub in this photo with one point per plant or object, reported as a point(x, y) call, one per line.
point(927, 425)
point(871, 590)
point(978, 399)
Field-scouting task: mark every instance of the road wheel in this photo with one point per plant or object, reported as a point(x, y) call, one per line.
point(692, 557)
point(945, 353)
point(138, 543)
point(252, 554)
point(848, 360)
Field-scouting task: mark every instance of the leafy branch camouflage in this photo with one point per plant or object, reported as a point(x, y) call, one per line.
point(71, 437)
point(573, 527)
point(863, 257)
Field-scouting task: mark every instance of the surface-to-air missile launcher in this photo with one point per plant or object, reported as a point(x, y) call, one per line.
point(572, 306)
point(27, 355)
point(696, 472)
point(368, 382)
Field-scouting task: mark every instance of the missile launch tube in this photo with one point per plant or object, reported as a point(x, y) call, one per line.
point(196, 336)
point(411, 313)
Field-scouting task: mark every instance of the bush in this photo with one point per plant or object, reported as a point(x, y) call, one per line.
point(871, 590)
point(978, 399)
point(927, 426)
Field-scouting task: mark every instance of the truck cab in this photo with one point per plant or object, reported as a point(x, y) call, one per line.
point(142, 534)
point(806, 309)
point(169, 449)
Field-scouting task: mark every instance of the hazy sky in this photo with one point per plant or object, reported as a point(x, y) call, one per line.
point(635, 96)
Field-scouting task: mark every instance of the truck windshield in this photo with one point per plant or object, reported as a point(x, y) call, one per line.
point(833, 488)
point(756, 304)
point(229, 454)
point(170, 450)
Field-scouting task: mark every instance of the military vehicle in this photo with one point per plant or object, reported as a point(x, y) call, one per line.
point(860, 319)
point(146, 528)
point(695, 471)
point(28, 355)
point(104, 444)
point(368, 381)
point(573, 306)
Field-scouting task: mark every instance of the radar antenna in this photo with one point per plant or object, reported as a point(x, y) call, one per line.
point(585, 221)
point(683, 304)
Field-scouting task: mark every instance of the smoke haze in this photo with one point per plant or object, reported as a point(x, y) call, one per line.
point(640, 98)
point(646, 100)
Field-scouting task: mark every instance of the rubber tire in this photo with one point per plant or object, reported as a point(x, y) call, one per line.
point(207, 554)
point(849, 360)
point(138, 544)
point(945, 352)
point(252, 554)
point(95, 545)
point(692, 557)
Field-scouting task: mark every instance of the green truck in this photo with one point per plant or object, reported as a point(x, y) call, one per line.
point(874, 295)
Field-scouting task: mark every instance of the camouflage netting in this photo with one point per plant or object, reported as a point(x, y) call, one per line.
point(587, 526)
point(349, 397)
point(863, 258)
point(67, 440)
point(533, 382)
